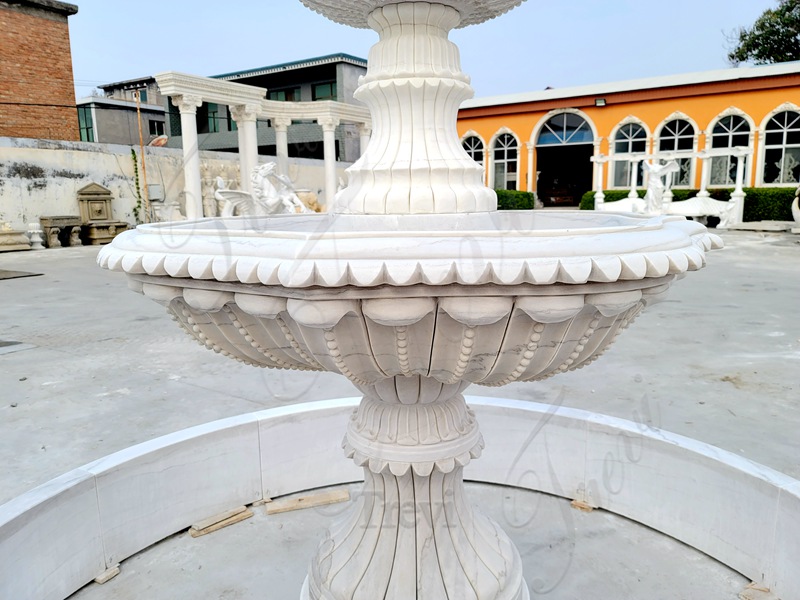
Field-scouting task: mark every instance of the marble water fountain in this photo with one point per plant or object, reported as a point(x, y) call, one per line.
point(413, 286)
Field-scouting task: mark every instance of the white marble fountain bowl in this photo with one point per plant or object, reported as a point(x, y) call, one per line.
point(487, 298)
point(355, 13)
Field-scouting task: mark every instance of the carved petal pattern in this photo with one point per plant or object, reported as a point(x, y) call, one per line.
point(490, 340)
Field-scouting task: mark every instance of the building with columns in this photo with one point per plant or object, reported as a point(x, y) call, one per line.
point(561, 143)
point(331, 78)
point(247, 106)
point(112, 118)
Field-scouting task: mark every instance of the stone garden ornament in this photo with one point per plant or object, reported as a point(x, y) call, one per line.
point(273, 194)
point(654, 196)
point(413, 286)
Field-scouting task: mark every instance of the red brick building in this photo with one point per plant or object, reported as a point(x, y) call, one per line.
point(37, 97)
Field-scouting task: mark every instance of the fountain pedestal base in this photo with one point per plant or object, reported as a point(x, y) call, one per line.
point(415, 537)
point(412, 533)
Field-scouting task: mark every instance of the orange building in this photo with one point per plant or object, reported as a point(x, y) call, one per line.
point(561, 143)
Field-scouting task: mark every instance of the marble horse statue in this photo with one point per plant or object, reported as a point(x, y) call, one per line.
point(273, 194)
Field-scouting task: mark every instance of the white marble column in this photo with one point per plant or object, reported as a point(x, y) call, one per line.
point(414, 78)
point(329, 125)
point(490, 175)
point(530, 177)
point(634, 175)
point(281, 126)
point(192, 189)
point(738, 195)
point(246, 116)
point(364, 133)
point(599, 196)
point(704, 172)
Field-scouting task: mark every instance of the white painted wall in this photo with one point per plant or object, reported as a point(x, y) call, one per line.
point(42, 177)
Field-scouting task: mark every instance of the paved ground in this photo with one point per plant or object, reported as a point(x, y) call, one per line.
point(98, 368)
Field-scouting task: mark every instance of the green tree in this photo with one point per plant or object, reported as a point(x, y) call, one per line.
point(773, 38)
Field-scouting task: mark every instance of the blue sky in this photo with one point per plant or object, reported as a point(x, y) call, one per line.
point(542, 43)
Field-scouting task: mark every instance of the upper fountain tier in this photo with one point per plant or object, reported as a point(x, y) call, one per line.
point(414, 163)
point(355, 12)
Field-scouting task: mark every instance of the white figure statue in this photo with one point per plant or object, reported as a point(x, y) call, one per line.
point(234, 201)
point(273, 194)
point(656, 186)
point(727, 213)
point(284, 189)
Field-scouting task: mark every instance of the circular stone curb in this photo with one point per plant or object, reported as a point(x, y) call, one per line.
point(740, 513)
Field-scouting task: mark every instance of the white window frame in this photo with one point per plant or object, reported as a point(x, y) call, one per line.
point(679, 154)
point(731, 112)
point(762, 130)
point(472, 135)
point(615, 157)
point(493, 162)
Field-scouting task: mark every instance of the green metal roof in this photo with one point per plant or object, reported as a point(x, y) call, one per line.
point(295, 64)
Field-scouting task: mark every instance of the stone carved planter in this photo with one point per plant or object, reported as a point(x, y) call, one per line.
point(413, 287)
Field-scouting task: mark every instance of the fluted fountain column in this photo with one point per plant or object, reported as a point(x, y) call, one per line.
point(412, 533)
point(414, 85)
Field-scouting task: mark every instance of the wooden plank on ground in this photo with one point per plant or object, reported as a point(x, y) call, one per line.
point(217, 522)
point(308, 501)
point(107, 575)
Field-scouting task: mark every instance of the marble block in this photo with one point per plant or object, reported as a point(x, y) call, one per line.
point(531, 446)
point(783, 576)
point(689, 490)
point(11, 240)
point(50, 540)
point(155, 489)
point(299, 452)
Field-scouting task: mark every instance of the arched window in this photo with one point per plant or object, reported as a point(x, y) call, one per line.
point(504, 154)
point(630, 139)
point(782, 148)
point(565, 128)
point(474, 147)
point(729, 132)
point(678, 136)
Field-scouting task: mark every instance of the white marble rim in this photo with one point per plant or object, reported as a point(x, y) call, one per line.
point(583, 248)
point(355, 12)
point(449, 225)
point(571, 443)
